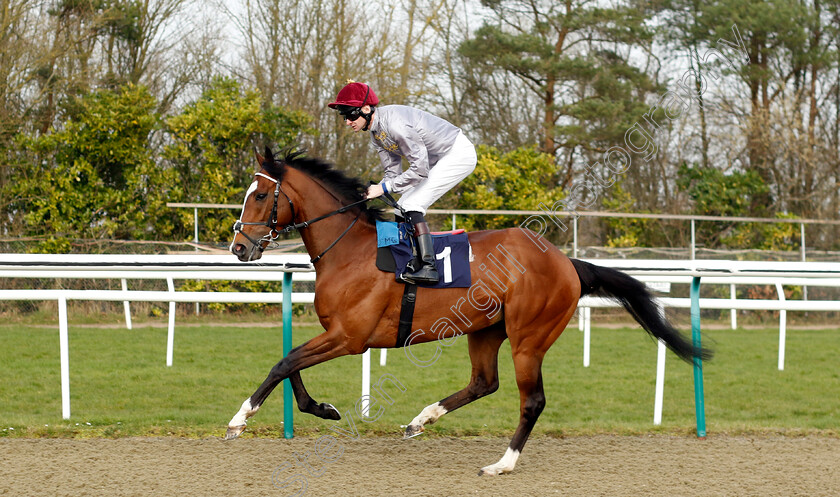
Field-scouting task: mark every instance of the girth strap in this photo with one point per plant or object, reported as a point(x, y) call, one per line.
point(409, 298)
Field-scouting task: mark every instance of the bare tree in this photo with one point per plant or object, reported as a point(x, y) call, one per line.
point(143, 43)
point(299, 54)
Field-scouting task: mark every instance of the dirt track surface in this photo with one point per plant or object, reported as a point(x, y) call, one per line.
point(370, 467)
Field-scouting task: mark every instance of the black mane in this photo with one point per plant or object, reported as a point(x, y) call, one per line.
point(347, 188)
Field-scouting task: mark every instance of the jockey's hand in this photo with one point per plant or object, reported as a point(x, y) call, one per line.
point(374, 191)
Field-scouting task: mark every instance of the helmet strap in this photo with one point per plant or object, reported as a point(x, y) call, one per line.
point(368, 117)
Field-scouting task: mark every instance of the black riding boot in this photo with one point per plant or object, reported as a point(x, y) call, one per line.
point(427, 272)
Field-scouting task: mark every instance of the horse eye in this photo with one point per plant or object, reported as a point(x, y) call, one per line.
point(261, 196)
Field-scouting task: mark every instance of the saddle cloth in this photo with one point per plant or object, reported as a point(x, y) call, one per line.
point(452, 254)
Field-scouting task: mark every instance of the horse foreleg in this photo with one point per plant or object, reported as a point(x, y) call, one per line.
point(307, 404)
point(532, 402)
point(484, 351)
point(324, 347)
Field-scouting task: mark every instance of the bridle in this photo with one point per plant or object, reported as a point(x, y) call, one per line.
point(271, 223)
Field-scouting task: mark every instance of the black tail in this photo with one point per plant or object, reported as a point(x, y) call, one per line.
point(634, 296)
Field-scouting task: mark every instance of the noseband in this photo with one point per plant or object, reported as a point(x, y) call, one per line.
point(271, 223)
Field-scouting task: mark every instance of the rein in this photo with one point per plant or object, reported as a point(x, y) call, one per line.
point(271, 223)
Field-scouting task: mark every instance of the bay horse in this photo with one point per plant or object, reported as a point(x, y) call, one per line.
point(527, 295)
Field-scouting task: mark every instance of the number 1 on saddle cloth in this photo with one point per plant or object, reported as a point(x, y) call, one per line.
point(452, 253)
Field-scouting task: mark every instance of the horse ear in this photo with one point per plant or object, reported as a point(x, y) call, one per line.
point(260, 158)
point(268, 155)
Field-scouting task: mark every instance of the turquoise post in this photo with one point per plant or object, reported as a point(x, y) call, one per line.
point(288, 406)
point(699, 403)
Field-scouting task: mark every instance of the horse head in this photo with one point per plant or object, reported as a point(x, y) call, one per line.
point(265, 211)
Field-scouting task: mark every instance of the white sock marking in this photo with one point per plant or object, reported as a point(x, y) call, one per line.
point(505, 464)
point(429, 415)
point(244, 413)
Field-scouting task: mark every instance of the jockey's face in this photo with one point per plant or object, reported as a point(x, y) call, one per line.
point(359, 122)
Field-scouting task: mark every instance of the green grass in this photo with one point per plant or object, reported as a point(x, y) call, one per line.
point(120, 385)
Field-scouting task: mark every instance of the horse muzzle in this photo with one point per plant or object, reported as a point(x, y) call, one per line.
point(246, 252)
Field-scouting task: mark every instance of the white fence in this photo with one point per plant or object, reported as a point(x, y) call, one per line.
point(729, 273)
point(564, 216)
point(154, 267)
point(274, 267)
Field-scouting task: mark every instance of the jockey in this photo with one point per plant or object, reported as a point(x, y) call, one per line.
point(439, 156)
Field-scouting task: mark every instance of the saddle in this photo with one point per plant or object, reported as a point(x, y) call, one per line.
point(394, 251)
point(452, 249)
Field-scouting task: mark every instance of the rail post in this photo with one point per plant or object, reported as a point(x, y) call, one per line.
point(782, 327)
point(170, 334)
point(64, 354)
point(288, 408)
point(693, 254)
point(699, 402)
point(126, 304)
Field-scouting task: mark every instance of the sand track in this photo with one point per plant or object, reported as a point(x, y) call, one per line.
point(370, 466)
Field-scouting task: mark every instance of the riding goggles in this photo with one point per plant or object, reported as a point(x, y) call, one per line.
point(348, 112)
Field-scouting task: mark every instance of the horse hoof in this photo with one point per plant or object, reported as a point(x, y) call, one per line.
point(234, 432)
point(330, 412)
point(412, 431)
point(494, 470)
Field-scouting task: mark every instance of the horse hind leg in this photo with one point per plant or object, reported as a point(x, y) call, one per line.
point(484, 351)
point(532, 403)
point(307, 404)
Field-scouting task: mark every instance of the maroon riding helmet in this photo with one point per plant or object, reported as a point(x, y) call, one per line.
point(351, 99)
point(355, 95)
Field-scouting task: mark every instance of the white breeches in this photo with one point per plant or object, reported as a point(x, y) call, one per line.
point(456, 165)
